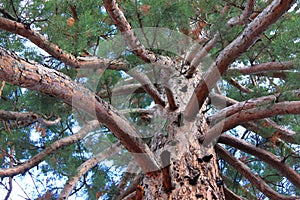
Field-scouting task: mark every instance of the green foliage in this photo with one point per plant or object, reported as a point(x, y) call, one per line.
point(89, 28)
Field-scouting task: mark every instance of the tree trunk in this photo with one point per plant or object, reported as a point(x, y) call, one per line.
point(190, 170)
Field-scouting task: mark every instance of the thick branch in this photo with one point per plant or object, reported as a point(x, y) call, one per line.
point(243, 18)
point(247, 173)
point(148, 86)
point(194, 58)
point(29, 117)
point(124, 27)
point(85, 167)
point(243, 42)
point(231, 195)
point(284, 134)
point(248, 104)
point(263, 155)
point(37, 77)
point(56, 51)
point(282, 108)
point(20, 169)
point(260, 68)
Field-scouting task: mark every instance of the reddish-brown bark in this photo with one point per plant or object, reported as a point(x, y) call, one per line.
point(17, 71)
point(246, 39)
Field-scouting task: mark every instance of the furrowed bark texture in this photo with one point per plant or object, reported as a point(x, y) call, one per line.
point(189, 170)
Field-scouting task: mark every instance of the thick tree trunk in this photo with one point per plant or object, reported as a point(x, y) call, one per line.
point(190, 170)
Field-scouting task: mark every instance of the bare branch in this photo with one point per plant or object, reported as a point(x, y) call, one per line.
point(248, 104)
point(255, 126)
point(131, 174)
point(35, 160)
point(117, 16)
point(148, 86)
point(28, 117)
point(126, 90)
point(131, 188)
point(246, 39)
point(263, 155)
point(260, 68)
point(243, 18)
point(138, 110)
point(171, 100)
point(239, 86)
point(282, 108)
point(56, 51)
point(247, 173)
point(260, 126)
point(195, 60)
point(231, 195)
point(18, 72)
point(85, 167)
point(124, 27)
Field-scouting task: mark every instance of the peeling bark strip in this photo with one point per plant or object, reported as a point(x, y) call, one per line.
point(35, 160)
point(248, 37)
point(18, 72)
point(253, 178)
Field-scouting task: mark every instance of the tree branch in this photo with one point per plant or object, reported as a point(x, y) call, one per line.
point(260, 68)
point(282, 108)
point(56, 51)
point(194, 58)
point(124, 27)
point(118, 18)
point(18, 72)
point(247, 173)
point(130, 175)
point(256, 126)
point(246, 39)
point(238, 85)
point(243, 18)
point(148, 86)
point(85, 167)
point(248, 104)
point(20, 169)
point(231, 195)
point(263, 155)
point(26, 117)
